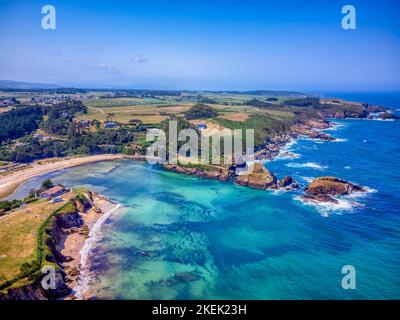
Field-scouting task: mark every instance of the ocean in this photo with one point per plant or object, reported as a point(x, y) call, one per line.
point(181, 237)
point(390, 99)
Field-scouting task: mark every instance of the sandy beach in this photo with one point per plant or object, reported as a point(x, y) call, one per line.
point(10, 182)
point(79, 242)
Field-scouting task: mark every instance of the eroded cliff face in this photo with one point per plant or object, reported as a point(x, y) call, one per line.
point(29, 292)
point(59, 228)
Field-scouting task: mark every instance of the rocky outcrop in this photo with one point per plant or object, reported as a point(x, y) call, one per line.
point(308, 130)
point(288, 183)
point(323, 188)
point(352, 114)
point(258, 177)
point(272, 147)
point(320, 136)
point(317, 124)
point(388, 116)
point(374, 109)
point(207, 172)
point(332, 186)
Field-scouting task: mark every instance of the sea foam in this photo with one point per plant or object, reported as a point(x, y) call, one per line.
point(312, 165)
point(327, 208)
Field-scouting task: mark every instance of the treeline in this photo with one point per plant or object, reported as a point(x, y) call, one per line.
point(304, 102)
point(19, 122)
point(142, 93)
point(308, 102)
point(59, 117)
point(58, 120)
point(7, 205)
point(22, 121)
point(260, 104)
point(199, 111)
point(103, 141)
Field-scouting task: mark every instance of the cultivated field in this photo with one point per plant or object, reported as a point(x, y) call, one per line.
point(155, 110)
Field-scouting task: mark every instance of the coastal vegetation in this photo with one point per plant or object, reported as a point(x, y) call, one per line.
point(30, 240)
point(7, 205)
point(200, 111)
point(19, 122)
point(117, 122)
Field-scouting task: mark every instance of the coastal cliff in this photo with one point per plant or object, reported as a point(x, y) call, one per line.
point(258, 176)
point(64, 234)
point(54, 236)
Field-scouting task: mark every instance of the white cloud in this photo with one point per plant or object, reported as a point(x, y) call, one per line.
point(138, 58)
point(102, 66)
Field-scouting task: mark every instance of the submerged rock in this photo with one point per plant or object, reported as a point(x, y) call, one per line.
point(258, 177)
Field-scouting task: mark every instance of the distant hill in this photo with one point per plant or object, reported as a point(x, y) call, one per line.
point(10, 84)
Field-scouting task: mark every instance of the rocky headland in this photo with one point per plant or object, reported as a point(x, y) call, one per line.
point(64, 236)
point(258, 177)
point(202, 171)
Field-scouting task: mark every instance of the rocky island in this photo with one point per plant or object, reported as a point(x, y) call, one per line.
point(323, 189)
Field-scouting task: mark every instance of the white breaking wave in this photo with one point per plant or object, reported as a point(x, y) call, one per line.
point(335, 127)
point(286, 152)
point(312, 165)
point(288, 155)
point(326, 208)
point(356, 195)
point(345, 203)
point(307, 179)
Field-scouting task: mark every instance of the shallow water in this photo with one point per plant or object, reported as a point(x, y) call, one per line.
point(180, 237)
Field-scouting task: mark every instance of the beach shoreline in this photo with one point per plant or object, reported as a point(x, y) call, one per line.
point(79, 242)
point(10, 182)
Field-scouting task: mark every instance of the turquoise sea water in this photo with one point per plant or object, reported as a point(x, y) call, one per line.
point(180, 237)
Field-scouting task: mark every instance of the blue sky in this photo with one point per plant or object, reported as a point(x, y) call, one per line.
point(237, 45)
